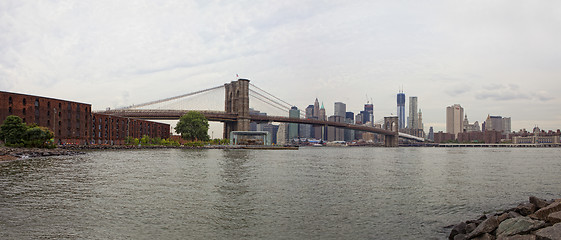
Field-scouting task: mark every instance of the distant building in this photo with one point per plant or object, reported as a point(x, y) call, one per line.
point(441, 137)
point(368, 113)
point(349, 133)
point(467, 127)
point(272, 129)
point(498, 123)
point(413, 120)
point(293, 128)
point(340, 109)
point(254, 126)
point(333, 133)
point(282, 134)
point(454, 119)
point(401, 110)
point(431, 134)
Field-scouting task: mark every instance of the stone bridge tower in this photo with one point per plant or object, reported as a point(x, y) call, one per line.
point(237, 102)
point(391, 124)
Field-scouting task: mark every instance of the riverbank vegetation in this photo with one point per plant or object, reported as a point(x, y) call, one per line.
point(15, 133)
point(193, 126)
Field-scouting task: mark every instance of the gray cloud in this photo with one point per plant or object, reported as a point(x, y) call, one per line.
point(500, 51)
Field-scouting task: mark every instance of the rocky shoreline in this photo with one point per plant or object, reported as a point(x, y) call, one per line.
point(537, 219)
point(9, 153)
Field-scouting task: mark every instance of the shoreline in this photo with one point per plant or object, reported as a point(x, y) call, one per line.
point(13, 153)
point(535, 219)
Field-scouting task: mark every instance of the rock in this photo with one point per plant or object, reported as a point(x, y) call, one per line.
point(518, 225)
point(526, 209)
point(502, 217)
point(554, 217)
point(539, 203)
point(544, 212)
point(460, 237)
point(514, 214)
point(518, 237)
point(458, 229)
point(485, 236)
point(470, 227)
point(550, 233)
point(486, 226)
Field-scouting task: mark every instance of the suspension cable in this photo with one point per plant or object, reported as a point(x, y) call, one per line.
point(171, 98)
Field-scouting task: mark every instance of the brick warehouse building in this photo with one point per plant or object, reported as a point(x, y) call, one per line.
point(74, 123)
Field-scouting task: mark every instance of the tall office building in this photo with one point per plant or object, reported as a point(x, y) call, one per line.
point(413, 120)
point(306, 130)
point(349, 134)
point(369, 116)
point(320, 132)
point(420, 123)
point(293, 127)
point(454, 119)
point(316, 109)
point(498, 123)
point(401, 110)
point(340, 110)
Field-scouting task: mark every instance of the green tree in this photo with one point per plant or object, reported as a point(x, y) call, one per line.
point(193, 126)
point(12, 131)
point(36, 136)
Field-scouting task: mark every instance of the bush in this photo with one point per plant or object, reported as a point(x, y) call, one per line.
point(16, 134)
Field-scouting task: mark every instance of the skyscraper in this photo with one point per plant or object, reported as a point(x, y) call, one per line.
point(401, 110)
point(369, 113)
point(316, 109)
point(454, 119)
point(293, 127)
point(413, 120)
point(340, 110)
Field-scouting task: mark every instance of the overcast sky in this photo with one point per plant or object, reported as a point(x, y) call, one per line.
point(492, 57)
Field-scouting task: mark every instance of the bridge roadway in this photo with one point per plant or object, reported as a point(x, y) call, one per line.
point(232, 117)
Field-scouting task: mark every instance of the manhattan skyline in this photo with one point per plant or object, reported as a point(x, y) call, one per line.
point(498, 58)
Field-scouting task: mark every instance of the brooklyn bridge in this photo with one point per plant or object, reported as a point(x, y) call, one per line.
point(236, 115)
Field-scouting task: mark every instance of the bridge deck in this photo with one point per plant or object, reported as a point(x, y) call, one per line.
point(231, 117)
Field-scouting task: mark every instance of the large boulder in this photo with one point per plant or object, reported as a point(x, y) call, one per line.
point(518, 237)
point(544, 212)
point(539, 203)
point(518, 225)
point(487, 226)
point(550, 233)
point(526, 209)
point(458, 229)
point(554, 217)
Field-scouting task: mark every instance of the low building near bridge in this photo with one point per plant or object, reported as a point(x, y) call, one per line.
point(250, 138)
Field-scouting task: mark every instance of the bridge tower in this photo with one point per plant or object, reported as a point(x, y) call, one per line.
point(237, 101)
point(391, 124)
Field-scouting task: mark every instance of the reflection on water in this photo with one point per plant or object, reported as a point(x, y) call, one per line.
point(318, 193)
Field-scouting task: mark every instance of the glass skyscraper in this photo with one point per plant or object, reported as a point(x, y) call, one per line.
point(401, 109)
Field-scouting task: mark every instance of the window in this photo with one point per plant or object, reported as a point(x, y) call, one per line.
point(10, 101)
point(24, 102)
point(49, 104)
point(59, 105)
point(36, 102)
point(10, 110)
point(24, 111)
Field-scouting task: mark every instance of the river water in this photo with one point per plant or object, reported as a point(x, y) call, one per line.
point(311, 193)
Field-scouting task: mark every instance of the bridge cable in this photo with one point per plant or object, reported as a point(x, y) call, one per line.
point(171, 98)
point(270, 100)
point(271, 95)
point(270, 104)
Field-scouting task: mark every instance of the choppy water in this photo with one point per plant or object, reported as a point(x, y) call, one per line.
point(312, 193)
